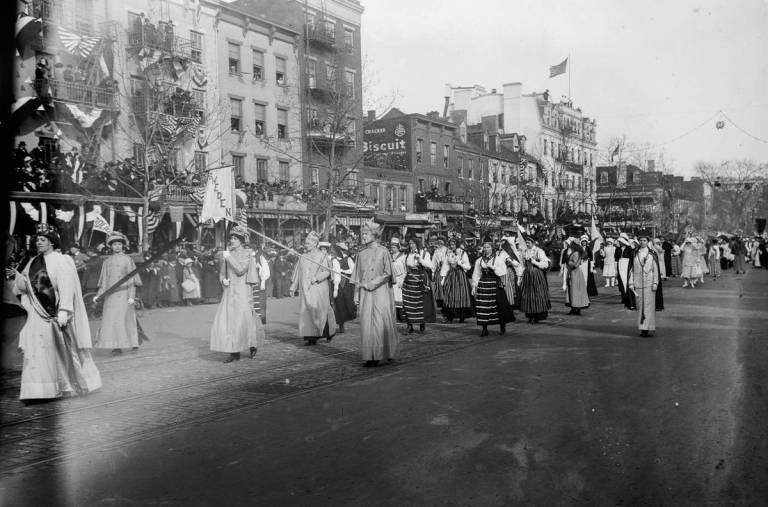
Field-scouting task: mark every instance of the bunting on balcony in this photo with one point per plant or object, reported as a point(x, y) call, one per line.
point(64, 216)
point(198, 76)
point(30, 210)
point(149, 57)
point(153, 221)
point(198, 195)
point(76, 166)
point(168, 124)
point(95, 211)
point(81, 45)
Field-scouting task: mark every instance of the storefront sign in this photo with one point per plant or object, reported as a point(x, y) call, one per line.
point(386, 144)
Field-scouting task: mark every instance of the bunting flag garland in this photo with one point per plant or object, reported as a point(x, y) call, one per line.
point(74, 163)
point(153, 221)
point(81, 45)
point(198, 76)
point(30, 209)
point(64, 216)
point(129, 213)
point(198, 195)
point(168, 124)
point(12, 218)
point(91, 215)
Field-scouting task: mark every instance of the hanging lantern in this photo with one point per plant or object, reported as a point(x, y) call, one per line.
point(720, 125)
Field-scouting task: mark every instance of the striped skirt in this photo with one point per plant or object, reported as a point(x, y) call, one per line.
point(413, 298)
point(534, 292)
point(491, 305)
point(456, 289)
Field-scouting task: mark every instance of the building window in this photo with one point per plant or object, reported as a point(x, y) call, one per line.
point(260, 117)
point(470, 168)
point(196, 43)
point(280, 71)
point(198, 104)
point(419, 149)
point(350, 128)
point(545, 146)
point(258, 65)
point(201, 161)
point(403, 198)
point(349, 84)
point(236, 114)
point(446, 151)
point(282, 123)
point(421, 185)
point(349, 38)
point(461, 167)
point(447, 187)
point(139, 153)
point(375, 195)
point(330, 73)
point(239, 169)
point(283, 171)
point(311, 73)
point(433, 153)
point(262, 174)
point(314, 176)
point(390, 198)
point(234, 58)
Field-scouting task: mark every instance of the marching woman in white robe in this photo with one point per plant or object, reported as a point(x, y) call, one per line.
point(609, 264)
point(56, 339)
point(311, 277)
point(119, 328)
point(645, 283)
point(236, 326)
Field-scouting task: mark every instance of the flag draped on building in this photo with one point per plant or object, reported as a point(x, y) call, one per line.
point(219, 201)
point(560, 68)
point(81, 45)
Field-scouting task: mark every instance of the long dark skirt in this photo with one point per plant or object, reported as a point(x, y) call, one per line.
point(344, 303)
point(456, 290)
point(491, 302)
point(591, 285)
point(413, 298)
point(534, 293)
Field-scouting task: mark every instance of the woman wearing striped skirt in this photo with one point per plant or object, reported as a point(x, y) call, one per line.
point(457, 301)
point(488, 280)
point(534, 291)
point(418, 305)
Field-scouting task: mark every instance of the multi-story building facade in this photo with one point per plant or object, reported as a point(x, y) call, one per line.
point(629, 198)
point(258, 57)
point(332, 94)
point(556, 139)
point(122, 111)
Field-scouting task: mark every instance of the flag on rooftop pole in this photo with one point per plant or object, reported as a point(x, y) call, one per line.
point(560, 68)
point(219, 201)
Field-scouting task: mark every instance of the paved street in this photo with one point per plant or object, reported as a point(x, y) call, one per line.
point(573, 411)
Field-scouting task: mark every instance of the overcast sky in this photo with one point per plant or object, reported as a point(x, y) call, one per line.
point(652, 70)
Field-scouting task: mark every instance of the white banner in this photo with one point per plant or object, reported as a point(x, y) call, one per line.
point(219, 200)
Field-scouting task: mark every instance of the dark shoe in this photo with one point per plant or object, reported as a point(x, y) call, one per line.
point(484, 332)
point(643, 333)
point(341, 329)
point(572, 312)
point(135, 349)
point(410, 328)
point(502, 329)
point(421, 328)
point(235, 356)
point(461, 320)
point(253, 352)
point(310, 341)
point(369, 364)
point(117, 352)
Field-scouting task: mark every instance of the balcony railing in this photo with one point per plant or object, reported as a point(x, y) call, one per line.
point(142, 105)
point(445, 206)
point(321, 35)
point(161, 38)
point(322, 131)
point(79, 93)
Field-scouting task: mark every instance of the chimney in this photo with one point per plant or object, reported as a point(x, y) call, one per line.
point(512, 106)
point(434, 115)
point(371, 115)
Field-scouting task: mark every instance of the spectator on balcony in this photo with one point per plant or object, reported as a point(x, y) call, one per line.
point(69, 73)
point(149, 33)
point(20, 153)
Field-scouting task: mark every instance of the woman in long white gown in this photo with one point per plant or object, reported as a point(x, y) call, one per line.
point(56, 339)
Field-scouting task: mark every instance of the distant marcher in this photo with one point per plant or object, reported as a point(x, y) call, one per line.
point(488, 279)
point(190, 284)
point(576, 296)
point(344, 291)
point(534, 290)
point(645, 283)
point(282, 269)
point(609, 264)
point(119, 329)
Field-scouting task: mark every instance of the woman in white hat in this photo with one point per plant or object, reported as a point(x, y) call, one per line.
point(237, 326)
point(609, 263)
point(690, 263)
point(119, 329)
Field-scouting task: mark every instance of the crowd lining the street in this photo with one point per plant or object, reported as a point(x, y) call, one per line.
point(403, 280)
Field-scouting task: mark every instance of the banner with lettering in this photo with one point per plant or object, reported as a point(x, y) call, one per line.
point(219, 201)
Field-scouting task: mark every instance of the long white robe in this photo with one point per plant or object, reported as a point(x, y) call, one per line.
point(311, 278)
point(54, 367)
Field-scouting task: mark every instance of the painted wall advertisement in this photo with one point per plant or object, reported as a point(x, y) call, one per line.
point(386, 145)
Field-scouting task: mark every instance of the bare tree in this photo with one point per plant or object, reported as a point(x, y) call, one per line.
point(737, 187)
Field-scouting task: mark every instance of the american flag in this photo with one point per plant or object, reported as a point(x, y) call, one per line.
point(168, 124)
point(78, 44)
point(198, 195)
point(152, 221)
point(560, 68)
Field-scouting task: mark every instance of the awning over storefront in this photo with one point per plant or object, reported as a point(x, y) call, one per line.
point(413, 220)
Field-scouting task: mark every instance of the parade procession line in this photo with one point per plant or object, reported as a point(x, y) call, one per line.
point(89, 425)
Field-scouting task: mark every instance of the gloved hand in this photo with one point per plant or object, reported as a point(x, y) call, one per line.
point(225, 282)
point(62, 318)
point(131, 301)
point(225, 254)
